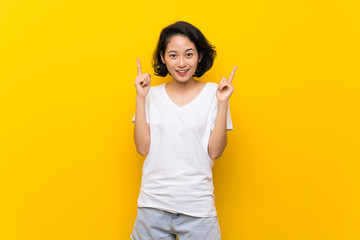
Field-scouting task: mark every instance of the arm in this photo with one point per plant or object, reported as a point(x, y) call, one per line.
point(141, 128)
point(218, 137)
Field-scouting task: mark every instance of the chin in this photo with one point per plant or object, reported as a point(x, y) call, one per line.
point(182, 79)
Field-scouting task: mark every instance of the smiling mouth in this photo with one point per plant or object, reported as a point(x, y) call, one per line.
point(183, 71)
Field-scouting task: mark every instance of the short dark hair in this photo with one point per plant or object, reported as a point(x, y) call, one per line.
point(203, 46)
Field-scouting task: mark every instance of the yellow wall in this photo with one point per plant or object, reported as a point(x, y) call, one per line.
point(69, 168)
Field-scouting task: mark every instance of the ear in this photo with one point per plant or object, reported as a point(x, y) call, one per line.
point(200, 57)
point(162, 58)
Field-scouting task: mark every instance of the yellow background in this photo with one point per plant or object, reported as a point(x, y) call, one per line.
point(69, 168)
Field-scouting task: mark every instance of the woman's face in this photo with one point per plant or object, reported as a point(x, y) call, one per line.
point(181, 58)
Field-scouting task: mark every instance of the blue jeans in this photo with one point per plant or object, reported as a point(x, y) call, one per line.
point(156, 224)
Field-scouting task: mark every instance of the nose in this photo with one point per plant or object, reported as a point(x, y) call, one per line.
point(181, 62)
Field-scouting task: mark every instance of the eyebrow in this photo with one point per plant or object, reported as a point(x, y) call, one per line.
point(185, 50)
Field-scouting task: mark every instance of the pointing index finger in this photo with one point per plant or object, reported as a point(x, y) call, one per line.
point(138, 66)
point(232, 74)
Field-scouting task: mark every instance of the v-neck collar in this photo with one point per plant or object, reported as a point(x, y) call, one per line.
point(186, 105)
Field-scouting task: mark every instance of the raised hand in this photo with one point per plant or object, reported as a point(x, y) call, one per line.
point(225, 88)
point(142, 82)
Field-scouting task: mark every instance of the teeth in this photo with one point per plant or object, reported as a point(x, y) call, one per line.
point(182, 71)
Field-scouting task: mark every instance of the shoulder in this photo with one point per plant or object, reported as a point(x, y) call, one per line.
point(157, 86)
point(211, 87)
point(156, 89)
point(154, 92)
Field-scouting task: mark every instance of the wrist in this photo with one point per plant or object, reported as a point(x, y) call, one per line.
point(223, 103)
point(140, 98)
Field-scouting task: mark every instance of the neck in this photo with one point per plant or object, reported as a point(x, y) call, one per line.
point(182, 86)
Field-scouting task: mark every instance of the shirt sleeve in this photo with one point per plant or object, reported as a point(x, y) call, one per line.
point(146, 110)
point(229, 125)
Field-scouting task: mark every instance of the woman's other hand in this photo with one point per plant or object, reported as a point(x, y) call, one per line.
point(142, 82)
point(225, 88)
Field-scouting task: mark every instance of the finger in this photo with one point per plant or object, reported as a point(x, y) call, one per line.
point(138, 66)
point(220, 84)
point(145, 81)
point(232, 74)
point(224, 87)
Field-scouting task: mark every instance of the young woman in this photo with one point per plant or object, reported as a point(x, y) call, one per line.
point(182, 127)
